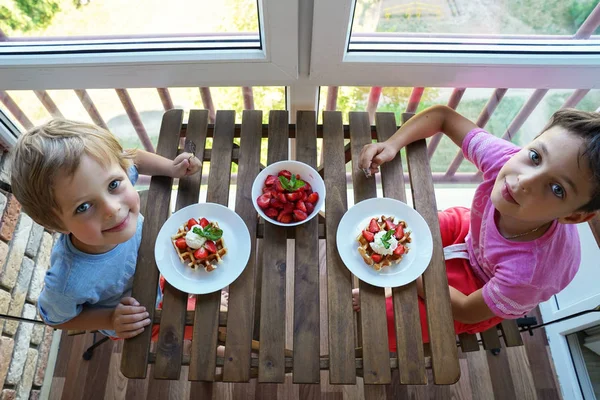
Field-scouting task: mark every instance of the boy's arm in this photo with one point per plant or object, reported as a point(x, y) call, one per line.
point(154, 164)
point(469, 309)
point(423, 125)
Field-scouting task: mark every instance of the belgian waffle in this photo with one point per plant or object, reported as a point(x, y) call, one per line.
point(187, 255)
point(366, 251)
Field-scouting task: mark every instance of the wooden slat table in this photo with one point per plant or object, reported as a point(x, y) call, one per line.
point(258, 297)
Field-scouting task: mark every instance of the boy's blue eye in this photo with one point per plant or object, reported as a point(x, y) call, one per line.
point(558, 191)
point(82, 208)
point(114, 184)
point(534, 157)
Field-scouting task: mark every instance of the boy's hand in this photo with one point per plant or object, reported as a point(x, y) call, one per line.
point(375, 154)
point(129, 318)
point(185, 164)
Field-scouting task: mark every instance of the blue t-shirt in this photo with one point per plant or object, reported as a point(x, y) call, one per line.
point(77, 279)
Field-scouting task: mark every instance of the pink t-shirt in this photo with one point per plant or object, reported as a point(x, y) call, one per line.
point(517, 275)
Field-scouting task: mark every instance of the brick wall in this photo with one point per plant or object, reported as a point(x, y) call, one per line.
point(24, 258)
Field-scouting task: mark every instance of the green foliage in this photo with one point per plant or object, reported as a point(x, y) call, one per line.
point(550, 16)
point(580, 10)
point(27, 15)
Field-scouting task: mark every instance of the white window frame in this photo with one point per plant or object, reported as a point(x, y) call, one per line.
point(276, 64)
point(332, 25)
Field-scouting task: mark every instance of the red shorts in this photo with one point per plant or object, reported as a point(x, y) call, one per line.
point(454, 226)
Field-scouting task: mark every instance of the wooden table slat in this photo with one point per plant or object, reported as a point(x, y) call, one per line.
point(272, 303)
point(306, 278)
point(468, 342)
point(169, 350)
point(446, 369)
point(339, 280)
point(510, 332)
point(240, 312)
point(406, 306)
point(134, 362)
point(206, 320)
point(490, 339)
point(373, 319)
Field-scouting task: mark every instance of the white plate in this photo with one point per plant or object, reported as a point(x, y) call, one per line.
point(235, 236)
point(413, 264)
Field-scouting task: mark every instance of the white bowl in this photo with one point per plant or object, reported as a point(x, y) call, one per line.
point(307, 174)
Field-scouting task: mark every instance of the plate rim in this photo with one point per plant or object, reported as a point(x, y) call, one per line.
point(235, 215)
point(344, 257)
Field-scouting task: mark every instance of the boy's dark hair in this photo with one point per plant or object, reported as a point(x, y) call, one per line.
point(585, 125)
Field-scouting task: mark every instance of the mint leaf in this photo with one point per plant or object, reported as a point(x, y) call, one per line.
point(291, 184)
point(385, 239)
point(210, 232)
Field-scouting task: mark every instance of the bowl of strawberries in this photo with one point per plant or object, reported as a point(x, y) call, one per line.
point(288, 193)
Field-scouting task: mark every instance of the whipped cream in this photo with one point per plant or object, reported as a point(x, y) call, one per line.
point(379, 248)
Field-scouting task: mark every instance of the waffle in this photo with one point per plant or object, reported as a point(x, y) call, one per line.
point(366, 251)
point(187, 256)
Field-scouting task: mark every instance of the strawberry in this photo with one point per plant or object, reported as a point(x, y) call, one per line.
point(284, 217)
point(278, 187)
point(399, 250)
point(180, 243)
point(191, 222)
point(210, 246)
point(373, 227)
point(307, 187)
point(271, 179)
point(301, 206)
point(263, 200)
point(275, 203)
point(201, 253)
point(282, 198)
point(288, 207)
point(271, 212)
point(204, 223)
point(368, 235)
point(376, 257)
point(389, 225)
point(399, 234)
point(286, 173)
point(266, 189)
point(300, 215)
point(304, 196)
point(313, 197)
point(293, 196)
point(309, 208)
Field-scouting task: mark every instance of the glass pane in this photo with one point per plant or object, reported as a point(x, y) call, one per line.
point(500, 17)
point(111, 18)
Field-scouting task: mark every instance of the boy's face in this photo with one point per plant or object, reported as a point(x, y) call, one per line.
point(546, 180)
point(98, 206)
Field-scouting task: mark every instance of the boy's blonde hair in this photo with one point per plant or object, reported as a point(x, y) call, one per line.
point(53, 151)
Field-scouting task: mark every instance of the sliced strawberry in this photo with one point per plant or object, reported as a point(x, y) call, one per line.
point(313, 197)
point(278, 187)
point(300, 215)
point(201, 253)
point(376, 257)
point(210, 246)
point(180, 243)
point(389, 225)
point(191, 222)
point(293, 196)
point(267, 189)
point(284, 217)
point(289, 207)
point(304, 196)
point(399, 234)
point(373, 227)
point(399, 250)
point(368, 235)
point(271, 179)
point(286, 173)
point(309, 208)
point(204, 223)
point(271, 212)
point(282, 198)
point(301, 206)
point(275, 203)
point(307, 187)
point(264, 200)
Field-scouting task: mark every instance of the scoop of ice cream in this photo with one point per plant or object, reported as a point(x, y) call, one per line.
point(194, 240)
point(379, 248)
